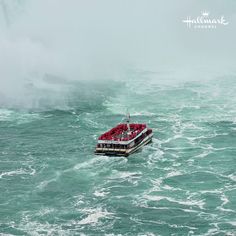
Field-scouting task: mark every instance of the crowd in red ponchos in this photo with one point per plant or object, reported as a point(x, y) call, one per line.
point(116, 132)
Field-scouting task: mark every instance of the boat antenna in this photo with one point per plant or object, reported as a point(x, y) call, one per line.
point(128, 120)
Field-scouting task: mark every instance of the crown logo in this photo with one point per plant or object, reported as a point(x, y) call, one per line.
point(205, 13)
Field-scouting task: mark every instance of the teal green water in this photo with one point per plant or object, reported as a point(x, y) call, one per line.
point(184, 183)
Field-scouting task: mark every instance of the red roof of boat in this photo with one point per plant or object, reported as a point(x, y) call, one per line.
point(116, 132)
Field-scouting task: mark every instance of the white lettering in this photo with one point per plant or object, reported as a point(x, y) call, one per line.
point(204, 21)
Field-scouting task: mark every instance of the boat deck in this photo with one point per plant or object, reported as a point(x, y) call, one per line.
point(122, 133)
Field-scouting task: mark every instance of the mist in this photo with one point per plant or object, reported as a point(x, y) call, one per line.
point(44, 45)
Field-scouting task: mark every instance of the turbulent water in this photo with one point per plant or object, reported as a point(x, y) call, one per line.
point(183, 183)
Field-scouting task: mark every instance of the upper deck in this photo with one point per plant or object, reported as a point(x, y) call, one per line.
point(120, 133)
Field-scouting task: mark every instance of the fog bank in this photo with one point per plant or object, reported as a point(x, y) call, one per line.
point(41, 41)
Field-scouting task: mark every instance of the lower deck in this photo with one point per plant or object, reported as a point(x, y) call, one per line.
point(111, 151)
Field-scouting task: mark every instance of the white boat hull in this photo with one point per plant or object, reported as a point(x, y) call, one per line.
point(123, 152)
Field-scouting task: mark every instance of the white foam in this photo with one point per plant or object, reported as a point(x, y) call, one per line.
point(94, 216)
point(91, 162)
point(211, 232)
point(176, 136)
point(204, 154)
point(100, 193)
point(147, 234)
point(173, 173)
point(125, 175)
point(192, 126)
point(211, 191)
point(35, 228)
point(156, 185)
point(176, 163)
point(18, 172)
point(45, 211)
point(4, 234)
point(19, 117)
point(232, 223)
point(99, 161)
point(143, 113)
point(186, 202)
point(91, 123)
point(5, 114)
point(44, 183)
point(232, 177)
point(113, 234)
point(154, 157)
point(224, 200)
point(167, 187)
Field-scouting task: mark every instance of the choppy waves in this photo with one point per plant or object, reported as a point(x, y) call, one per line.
point(184, 183)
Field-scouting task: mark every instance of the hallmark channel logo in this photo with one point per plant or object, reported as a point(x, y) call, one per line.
point(205, 21)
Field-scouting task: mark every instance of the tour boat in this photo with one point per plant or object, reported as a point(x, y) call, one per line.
point(123, 139)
